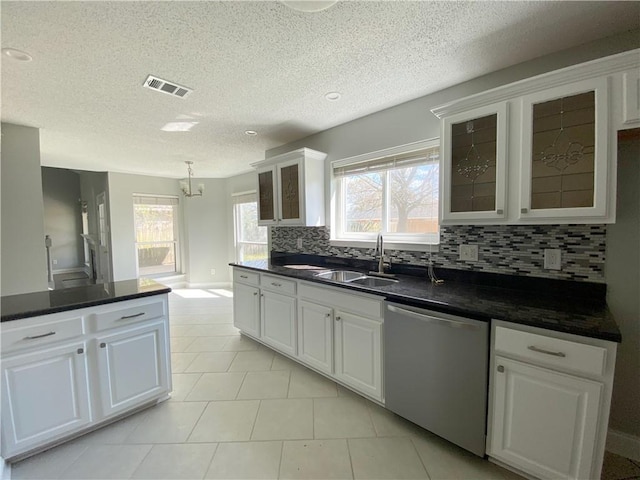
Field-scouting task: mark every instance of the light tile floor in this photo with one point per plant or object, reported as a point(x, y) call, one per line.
point(241, 411)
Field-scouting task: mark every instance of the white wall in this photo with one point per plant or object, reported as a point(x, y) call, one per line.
point(63, 217)
point(622, 271)
point(121, 189)
point(24, 264)
point(206, 232)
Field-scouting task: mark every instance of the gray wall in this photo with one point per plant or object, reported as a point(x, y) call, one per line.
point(63, 216)
point(622, 272)
point(24, 264)
point(206, 234)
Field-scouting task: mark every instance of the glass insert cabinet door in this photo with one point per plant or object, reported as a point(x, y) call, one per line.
point(474, 165)
point(266, 196)
point(564, 151)
point(289, 177)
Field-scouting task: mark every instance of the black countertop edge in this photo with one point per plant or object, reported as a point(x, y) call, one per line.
point(581, 316)
point(26, 305)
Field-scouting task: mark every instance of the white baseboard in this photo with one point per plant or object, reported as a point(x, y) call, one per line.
point(5, 470)
point(623, 444)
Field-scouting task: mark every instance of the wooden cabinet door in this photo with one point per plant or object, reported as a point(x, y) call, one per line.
point(267, 211)
point(358, 353)
point(315, 335)
point(45, 395)
point(543, 422)
point(290, 194)
point(474, 167)
point(132, 367)
point(566, 155)
point(278, 320)
point(246, 308)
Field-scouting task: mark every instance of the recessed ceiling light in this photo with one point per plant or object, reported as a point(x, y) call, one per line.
point(251, 133)
point(333, 96)
point(18, 55)
point(309, 5)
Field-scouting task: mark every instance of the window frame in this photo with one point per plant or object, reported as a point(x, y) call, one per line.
point(237, 243)
point(176, 232)
point(400, 241)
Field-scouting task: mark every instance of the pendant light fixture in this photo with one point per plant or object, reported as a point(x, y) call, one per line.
point(186, 187)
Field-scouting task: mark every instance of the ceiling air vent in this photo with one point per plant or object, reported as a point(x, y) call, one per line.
point(155, 83)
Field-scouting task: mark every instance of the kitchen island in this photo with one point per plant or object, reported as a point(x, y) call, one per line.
point(76, 359)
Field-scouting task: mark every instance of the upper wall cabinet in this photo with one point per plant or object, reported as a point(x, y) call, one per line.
point(291, 189)
point(541, 150)
point(474, 169)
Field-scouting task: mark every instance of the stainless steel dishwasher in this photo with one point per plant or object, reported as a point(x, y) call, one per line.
point(435, 372)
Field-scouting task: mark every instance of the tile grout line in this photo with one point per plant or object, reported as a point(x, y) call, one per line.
point(353, 475)
point(415, 448)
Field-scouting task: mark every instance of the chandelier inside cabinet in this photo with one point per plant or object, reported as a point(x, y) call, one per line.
point(186, 186)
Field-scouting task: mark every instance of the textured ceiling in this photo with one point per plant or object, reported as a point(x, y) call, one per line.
point(253, 66)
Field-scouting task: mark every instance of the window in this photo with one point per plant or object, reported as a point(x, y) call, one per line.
point(156, 224)
point(250, 239)
point(393, 192)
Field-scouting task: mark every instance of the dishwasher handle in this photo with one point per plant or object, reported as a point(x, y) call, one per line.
point(431, 319)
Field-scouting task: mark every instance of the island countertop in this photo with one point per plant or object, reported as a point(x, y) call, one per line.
point(14, 307)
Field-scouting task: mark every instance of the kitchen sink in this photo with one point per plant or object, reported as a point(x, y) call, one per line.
point(374, 281)
point(340, 275)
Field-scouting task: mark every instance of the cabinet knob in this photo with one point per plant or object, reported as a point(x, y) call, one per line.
point(102, 345)
point(500, 368)
point(328, 315)
point(80, 351)
point(255, 293)
point(338, 319)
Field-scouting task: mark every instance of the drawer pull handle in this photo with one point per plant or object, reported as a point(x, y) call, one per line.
point(33, 337)
point(276, 284)
point(243, 276)
point(255, 293)
point(547, 352)
point(126, 317)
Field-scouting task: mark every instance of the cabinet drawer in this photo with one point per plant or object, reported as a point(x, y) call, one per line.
point(278, 284)
point(125, 313)
point(550, 351)
point(244, 276)
point(35, 332)
point(343, 299)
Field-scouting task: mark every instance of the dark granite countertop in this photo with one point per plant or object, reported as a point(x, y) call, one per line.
point(571, 307)
point(14, 307)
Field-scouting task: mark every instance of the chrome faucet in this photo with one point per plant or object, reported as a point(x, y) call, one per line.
point(381, 263)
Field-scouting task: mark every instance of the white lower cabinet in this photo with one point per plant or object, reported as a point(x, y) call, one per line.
point(278, 321)
point(69, 372)
point(544, 420)
point(549, 400)
point(45, 395)
point(132, 367)
point(246, 308)
point(358, 352)
point(315, 335)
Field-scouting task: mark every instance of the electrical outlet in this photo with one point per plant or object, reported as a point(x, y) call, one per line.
point(552, 259)
point(469, 253)
point(299, 242)
point(55, 262)
point(213, 271)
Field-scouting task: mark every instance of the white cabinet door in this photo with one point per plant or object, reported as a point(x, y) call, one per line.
point(246, 308)
point(132, 367)
point(45, 395)
point(544, 422)
point(315, 339)
point(358, 353)
point(278, 315)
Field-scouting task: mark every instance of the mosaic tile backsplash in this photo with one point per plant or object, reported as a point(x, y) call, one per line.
point(509, 249)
